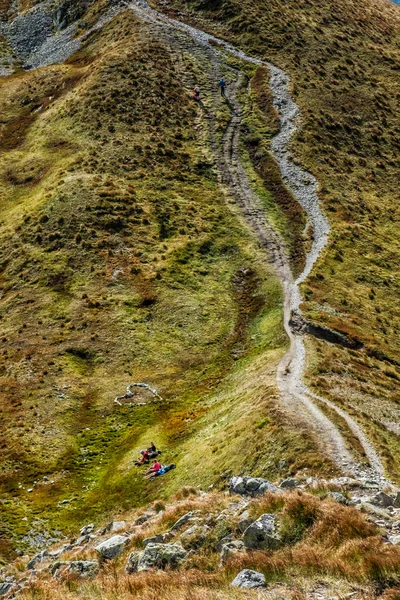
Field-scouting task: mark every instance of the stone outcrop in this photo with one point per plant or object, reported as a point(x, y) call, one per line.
point(249, 579)
point(231, 548)
point(262, 534)
point(251, 486)
point(112, 547)
point(156, 556)
point(84, 568)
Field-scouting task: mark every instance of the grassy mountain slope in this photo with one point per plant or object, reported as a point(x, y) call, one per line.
point(121, 261)
point(343, 58)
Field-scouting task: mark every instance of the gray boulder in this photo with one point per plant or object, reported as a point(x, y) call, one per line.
point(37, 559)
point(244, 521)
point(237, 486)
point(156, 556)
point(84, 568)
point(249, 579)
point(338, 497)
point(382, 499)
point(112, 547)
point(288, 484)
point(262, 534)
point(396, 501)
point(251, 486)
point(183, 520)
point(5, 587)
point(87, 529)
point(231, 548)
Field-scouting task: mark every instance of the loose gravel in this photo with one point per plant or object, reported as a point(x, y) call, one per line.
point(36, 41)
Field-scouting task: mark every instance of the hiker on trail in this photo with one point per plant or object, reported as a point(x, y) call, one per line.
point(222, 85)
point(196, 93)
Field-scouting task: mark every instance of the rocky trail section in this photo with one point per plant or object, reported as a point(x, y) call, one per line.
point(296, 395)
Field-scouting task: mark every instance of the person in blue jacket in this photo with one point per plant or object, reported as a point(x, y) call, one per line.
point(222, 86)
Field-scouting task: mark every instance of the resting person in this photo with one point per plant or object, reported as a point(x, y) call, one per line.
point(144, 458)
point(153, 452)
point(154, 468)
point(164, 469)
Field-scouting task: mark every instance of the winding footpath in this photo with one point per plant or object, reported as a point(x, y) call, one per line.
point(213, 54)
point(296, 395)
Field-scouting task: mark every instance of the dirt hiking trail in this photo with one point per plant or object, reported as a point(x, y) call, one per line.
point(213, 55)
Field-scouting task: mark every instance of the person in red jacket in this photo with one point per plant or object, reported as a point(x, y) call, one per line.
point(196, 94)
point(154, 468)
point(144, 458)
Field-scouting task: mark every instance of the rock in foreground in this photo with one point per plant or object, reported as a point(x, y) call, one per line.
point(112, 547)
point(251, 486)
point(262, 534)
point(156, 555)
point(84, 568)
point(249, 579)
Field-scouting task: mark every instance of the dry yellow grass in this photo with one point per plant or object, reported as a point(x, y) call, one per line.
point(323, 542)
